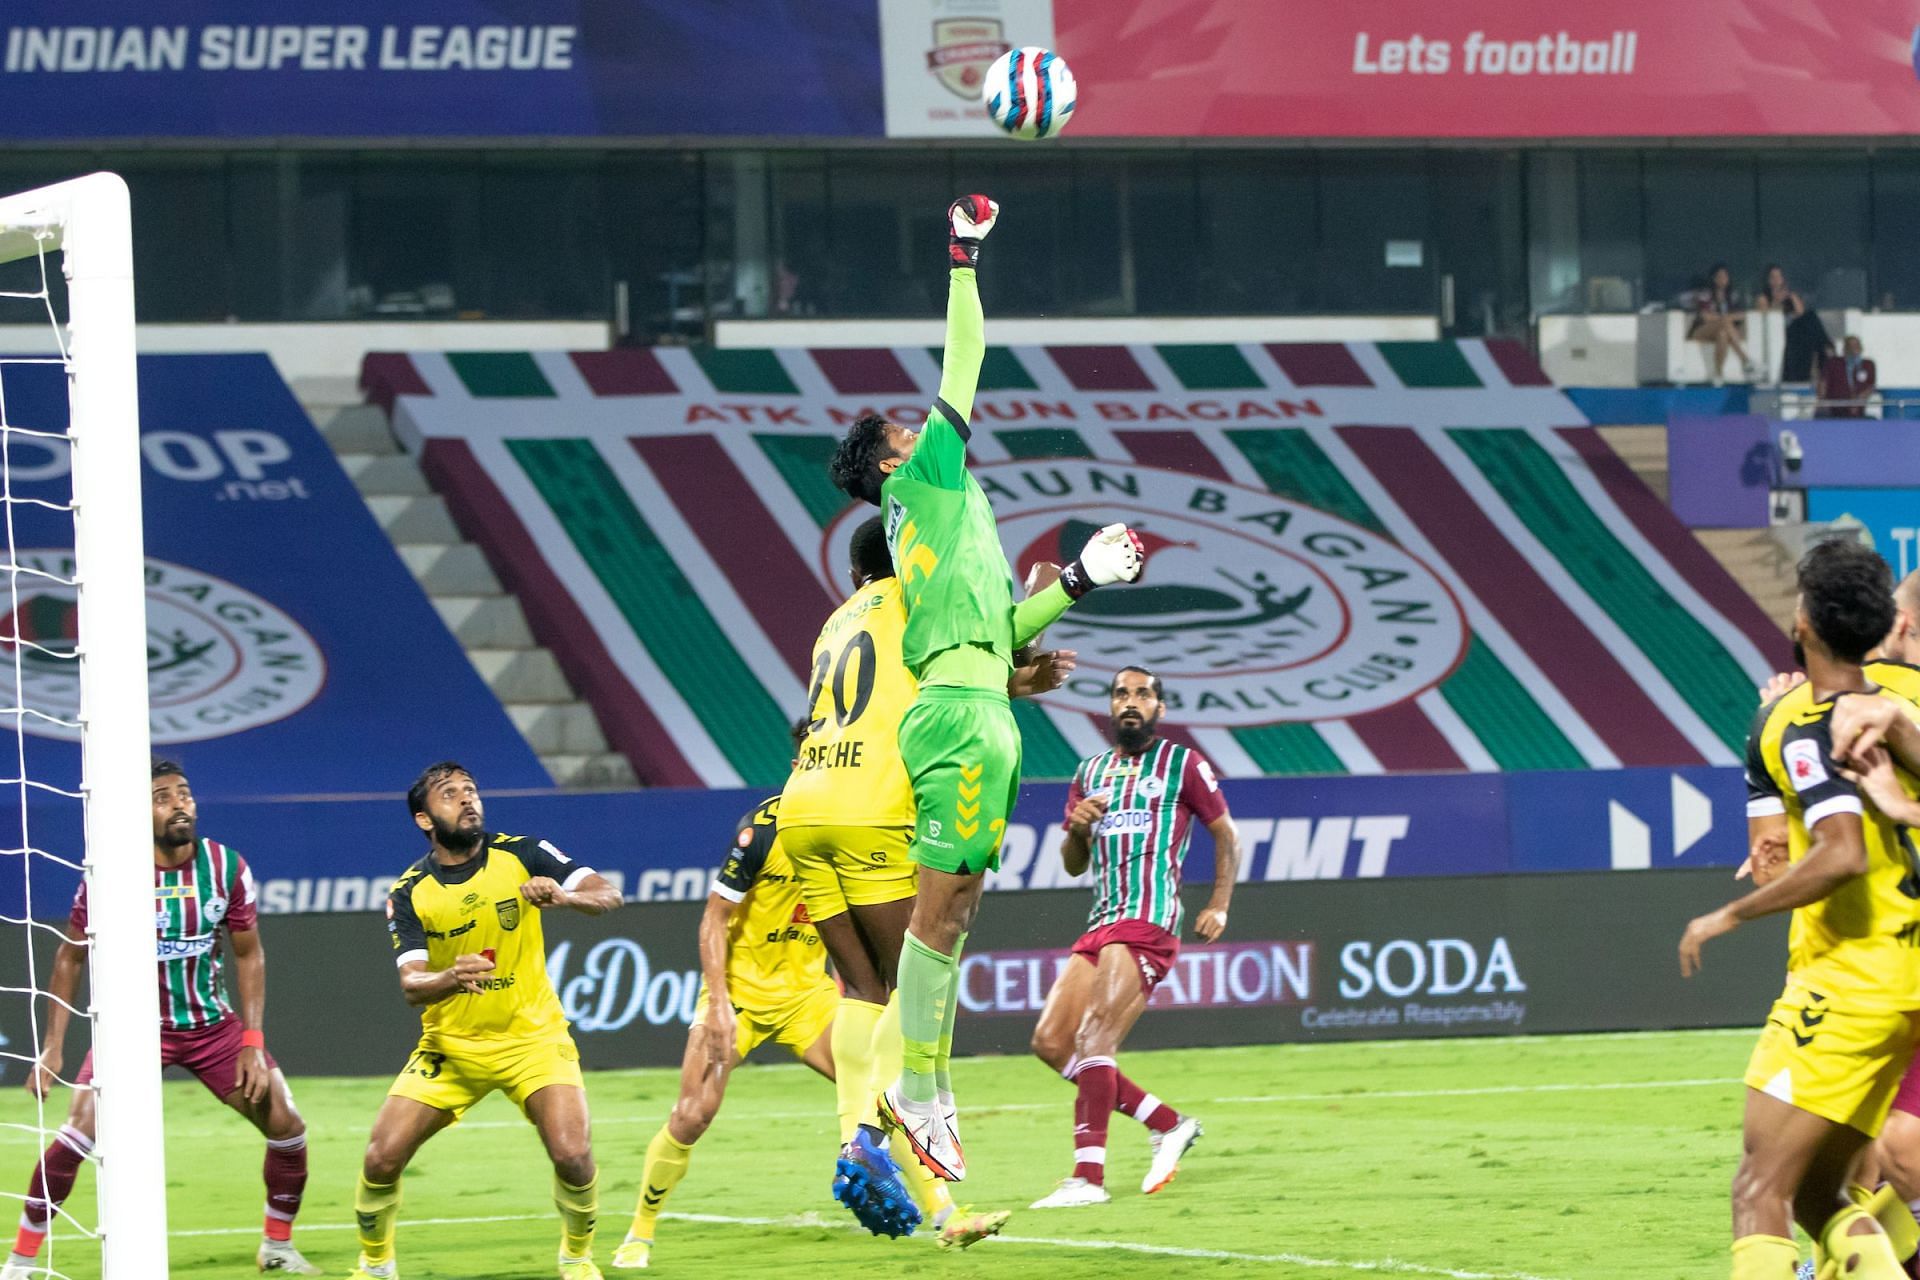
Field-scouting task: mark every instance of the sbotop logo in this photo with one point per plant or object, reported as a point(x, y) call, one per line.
point(220, 659)
point(1253, 608)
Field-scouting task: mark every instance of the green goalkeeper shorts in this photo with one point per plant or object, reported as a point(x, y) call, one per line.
point(962, 751)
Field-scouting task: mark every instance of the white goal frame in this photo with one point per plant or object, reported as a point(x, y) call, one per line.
point(90, 221)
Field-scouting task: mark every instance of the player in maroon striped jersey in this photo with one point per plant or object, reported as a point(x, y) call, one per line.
point(1130, 813)
point(201, 889)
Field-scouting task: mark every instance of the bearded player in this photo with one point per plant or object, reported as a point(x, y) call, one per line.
point(1130, 813)
point(958, 739)
point(1839, 1038)
point(846, 819)
point(467, 938)
point(201, 889)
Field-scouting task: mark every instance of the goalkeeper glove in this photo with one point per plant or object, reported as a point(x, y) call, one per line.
point(1115, 554)
point(968, 220)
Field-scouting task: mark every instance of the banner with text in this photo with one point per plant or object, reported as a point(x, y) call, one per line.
point(438, 68)
point(1398, 557)
point(1401, 68)
point(1301, 963)
point(289, 650)
point(340, 855)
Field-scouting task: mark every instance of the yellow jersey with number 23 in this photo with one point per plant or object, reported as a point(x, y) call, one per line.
point(849, 773)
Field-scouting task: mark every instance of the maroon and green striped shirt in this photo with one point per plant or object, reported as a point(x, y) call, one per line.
point(192, 903)
point(1152, 801)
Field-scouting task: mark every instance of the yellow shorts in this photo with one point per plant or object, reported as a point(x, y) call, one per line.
point(1839, 1064)
point(454, 1074)
point(838, 866)
point(796, 1024)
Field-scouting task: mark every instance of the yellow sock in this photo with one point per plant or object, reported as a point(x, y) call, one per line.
point(578, 1207)
point(1894, 1217)
point(375, 1206)
point(928, 1192)
point(1865, 1256)
point(666, 1165)
point(852, 1042)
point(888, 1047)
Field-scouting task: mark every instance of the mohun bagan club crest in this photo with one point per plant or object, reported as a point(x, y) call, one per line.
point(220, 659)
point(963, 49)
point(1253, 608)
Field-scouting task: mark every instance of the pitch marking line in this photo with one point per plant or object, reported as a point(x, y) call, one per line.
point(1271, 1099)
point(814, 1222)
point(1250, 1100)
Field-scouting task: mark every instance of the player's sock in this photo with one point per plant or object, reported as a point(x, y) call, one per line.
point(1096, 1081)
point(286, 1177)
point(666, 1164)
point(926, 987)
point(1764, 1258)
point(52, 1183)
point(853, 1043)
point(578, 1207)
point(942, 1073)
point(1143, 1106)
point(375, 1206)
point(1894, 1217)
point(928, 1191)
point(1864, 1256)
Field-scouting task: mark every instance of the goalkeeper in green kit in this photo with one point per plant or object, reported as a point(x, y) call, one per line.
point(958, 740)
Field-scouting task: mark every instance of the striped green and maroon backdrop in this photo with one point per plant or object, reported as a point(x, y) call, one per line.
point(665, 517)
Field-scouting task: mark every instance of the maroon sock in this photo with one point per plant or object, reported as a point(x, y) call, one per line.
point(286, 1175)
point(53, 1178)
point(1144, 1107)
point(1097, 1080)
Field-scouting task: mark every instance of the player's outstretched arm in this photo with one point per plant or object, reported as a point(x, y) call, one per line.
point(593, 895)
point(1115, 554)
point(423, 986)
point(1212, 920)
point(1860, 724)
point(969, 219)
point(714, 952)
point(1837, 854)
point(250, 982)
point(62, 985)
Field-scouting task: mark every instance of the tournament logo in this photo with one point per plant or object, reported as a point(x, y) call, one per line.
point(220, 659)
point(1253, 609)
point(963, 49)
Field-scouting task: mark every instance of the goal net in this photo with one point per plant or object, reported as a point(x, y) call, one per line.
point(74, 779)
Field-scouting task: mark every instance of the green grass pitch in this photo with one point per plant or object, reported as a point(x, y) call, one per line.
point(1559, 1157)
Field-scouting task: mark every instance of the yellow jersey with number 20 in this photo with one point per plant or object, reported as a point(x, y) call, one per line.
point(849, 772)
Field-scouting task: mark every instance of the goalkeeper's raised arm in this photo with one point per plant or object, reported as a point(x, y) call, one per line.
point(874, 448)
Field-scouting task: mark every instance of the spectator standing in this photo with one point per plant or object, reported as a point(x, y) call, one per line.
point(1847, 382)
point(1807, 343)
point(1720, 314)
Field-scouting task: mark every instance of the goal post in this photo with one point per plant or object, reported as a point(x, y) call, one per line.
point(89, 221)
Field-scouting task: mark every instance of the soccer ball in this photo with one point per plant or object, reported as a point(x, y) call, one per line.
point(1030, 92)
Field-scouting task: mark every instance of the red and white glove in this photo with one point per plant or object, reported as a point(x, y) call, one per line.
point(1115, 554)
point(968, 220)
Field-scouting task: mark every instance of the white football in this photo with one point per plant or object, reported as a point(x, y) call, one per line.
point(1030, 92)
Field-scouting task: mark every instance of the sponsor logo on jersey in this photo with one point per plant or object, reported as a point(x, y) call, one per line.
point(184, 948)
point(1804, 764)
point(220, 659)
point(1254, 609)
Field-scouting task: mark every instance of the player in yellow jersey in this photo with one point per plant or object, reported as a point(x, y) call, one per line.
point(1837, 1041)
point(467, 937)
point(846, 821)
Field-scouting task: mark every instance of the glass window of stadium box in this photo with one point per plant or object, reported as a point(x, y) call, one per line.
point(1895, 209)
point(1702, 207)
point(670, 239)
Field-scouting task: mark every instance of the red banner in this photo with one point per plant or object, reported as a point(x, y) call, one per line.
point(1492, 68)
